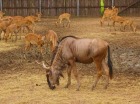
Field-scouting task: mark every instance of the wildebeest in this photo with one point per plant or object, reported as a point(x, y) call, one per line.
point(83, 50)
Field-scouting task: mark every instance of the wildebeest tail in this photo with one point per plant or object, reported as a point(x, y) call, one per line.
point(110, 64)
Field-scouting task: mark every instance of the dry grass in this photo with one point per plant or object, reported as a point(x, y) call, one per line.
point(24, 82)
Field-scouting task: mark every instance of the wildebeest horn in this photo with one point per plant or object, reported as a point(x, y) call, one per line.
point(44, 66)
point(43, 63)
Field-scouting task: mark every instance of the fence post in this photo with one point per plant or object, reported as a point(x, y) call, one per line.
point(1, 5)
point(77, 7)
point(112, 3)
point(40, 9)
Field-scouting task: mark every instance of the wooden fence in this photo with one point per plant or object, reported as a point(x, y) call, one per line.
point(75, 7)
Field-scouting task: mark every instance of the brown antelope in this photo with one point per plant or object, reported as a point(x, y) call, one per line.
point(123, 22)
point(52, 38)
point(12, 29)
point(130, 23)
point(1, 14)
point(4, 25)
point(117, 19)
point(64, 16)
point(108, 13)
point(34, 19)
point(34, 39)
point(26, 23)
point(83, 50)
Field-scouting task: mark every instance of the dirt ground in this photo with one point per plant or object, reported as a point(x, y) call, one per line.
point(24, 82)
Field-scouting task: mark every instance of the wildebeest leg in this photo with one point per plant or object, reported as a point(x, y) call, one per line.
point(99, 73)
point(69, 77)
point(106, 68)
point(75, 72)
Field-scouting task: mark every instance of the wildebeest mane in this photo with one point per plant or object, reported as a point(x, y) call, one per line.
point(68, 37)
point(56, 48)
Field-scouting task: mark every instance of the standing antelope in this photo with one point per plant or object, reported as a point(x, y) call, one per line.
point(108, 13)
point(34, 39)
point(12, 29)
point(52, 39)
point(62, 17)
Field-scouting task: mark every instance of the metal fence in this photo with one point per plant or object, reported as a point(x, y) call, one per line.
point(74, 7)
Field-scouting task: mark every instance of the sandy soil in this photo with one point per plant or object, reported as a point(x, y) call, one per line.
point(24, 82)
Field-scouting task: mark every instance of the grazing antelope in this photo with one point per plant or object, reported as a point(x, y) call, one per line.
point(52, 38)
point(26, 24)
point(83, 50)
point(34, 39)
point(108, 13)
point(117, 19)
point(130, 23)
point(123, 22)
point(64, 16)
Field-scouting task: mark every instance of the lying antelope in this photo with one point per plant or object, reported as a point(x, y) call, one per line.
point(108, 13)
point(52, 39)
point(62, 17)
point(83, 50)
point(34, 39)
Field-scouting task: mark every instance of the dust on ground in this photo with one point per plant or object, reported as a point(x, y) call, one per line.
point(24, 82)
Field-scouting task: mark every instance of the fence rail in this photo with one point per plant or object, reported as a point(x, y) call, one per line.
point(75, 7)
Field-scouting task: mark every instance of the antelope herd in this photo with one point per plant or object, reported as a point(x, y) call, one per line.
point(112, 15)
point(69, 49)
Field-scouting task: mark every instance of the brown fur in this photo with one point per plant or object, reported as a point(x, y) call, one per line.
point(4, 25)
point(123, 22)
point(1, 14)
point(35, 18)
point(12, 29)
point(71, 50)
point(108, 13)
point(64, 16)
point(52, 38)
point(34, 39)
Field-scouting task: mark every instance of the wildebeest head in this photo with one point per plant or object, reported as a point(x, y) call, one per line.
point(52, 76)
